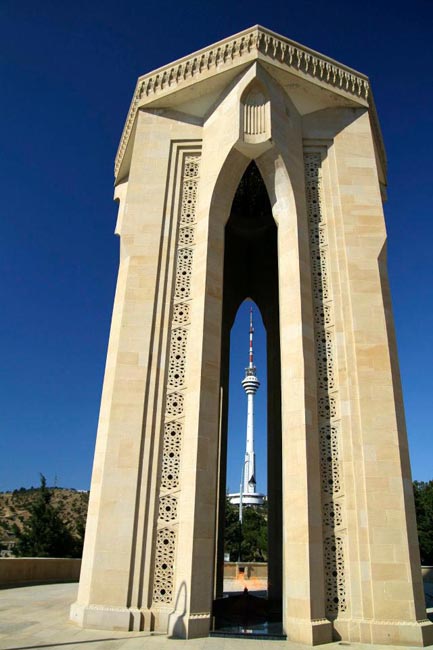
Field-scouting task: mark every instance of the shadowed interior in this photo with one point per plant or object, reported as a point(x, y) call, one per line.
point(251, 271)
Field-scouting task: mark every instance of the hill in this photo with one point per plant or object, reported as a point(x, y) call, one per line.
point(15, 509)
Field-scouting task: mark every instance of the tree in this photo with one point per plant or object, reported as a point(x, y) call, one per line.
point(232, 532)
point(423, 493)
point(249, 540)
point(254, 547)
point(44, 534)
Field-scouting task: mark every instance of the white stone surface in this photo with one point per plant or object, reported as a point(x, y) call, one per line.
point(348, 515)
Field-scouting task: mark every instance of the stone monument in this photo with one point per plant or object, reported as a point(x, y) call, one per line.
point(253, 148)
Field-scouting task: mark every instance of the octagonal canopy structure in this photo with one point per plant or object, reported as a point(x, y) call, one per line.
point(294, 137)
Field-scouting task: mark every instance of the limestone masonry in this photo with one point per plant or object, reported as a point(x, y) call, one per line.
point(253, 148)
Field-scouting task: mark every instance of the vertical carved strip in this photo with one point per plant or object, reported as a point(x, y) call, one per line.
point(174, 416)
point(255, 119)
point(327, 391)
point(254, 115)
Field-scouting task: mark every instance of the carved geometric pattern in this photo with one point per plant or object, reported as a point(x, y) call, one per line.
point(174, 404)
point(327, 406)
point(334, 567)
point(189, 203)
point(329, 459)
point(322, 316)
point(325, 359)
point(183, 275)
point(176, 365)
point(181, 314)
point(332, 514)
point(171, 455)
point(164, 566)
point(168, 508)
point(318, 235)
point(186, 235)
point(320, 276)
point(165, 550)
point(173, 435)
point(324, 335)
point(191, 167)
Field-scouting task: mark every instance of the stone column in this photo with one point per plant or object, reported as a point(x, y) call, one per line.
point(116, 571)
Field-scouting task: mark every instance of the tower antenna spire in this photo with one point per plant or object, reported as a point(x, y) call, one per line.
point(251, 364)
point(247, 491)
point(251, 385)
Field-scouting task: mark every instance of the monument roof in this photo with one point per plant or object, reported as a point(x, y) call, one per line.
point(239, 50)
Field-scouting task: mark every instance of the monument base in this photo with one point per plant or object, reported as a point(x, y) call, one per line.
point(128, 619)
point(418, 633)
point(105, 617)
point(308, 632)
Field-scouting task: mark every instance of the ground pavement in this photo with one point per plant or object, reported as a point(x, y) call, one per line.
point(37, 617)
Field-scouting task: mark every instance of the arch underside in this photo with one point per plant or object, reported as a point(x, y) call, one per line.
point(251, 271)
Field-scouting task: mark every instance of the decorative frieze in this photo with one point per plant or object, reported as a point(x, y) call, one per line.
point(165, 545)
point(253, 42)
point(327, 394)
point(273, 46)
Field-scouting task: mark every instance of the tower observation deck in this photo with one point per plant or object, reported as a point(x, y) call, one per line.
point(247, 495)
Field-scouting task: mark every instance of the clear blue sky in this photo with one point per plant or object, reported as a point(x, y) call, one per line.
point(67, 73)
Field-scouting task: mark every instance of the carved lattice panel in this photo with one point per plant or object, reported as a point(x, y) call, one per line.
point(329, 459)
point(181, 314)
point(170, 468)
point(187, 215)
point(318, 235)
point(186, 236)
point(327, 389)
point(327, 406)
point(171, 455)
point(168, 509)
point(191, 167)
point(183, 275)
point(319, 275)
point(176, 367)
point(332, 515)
point(322, 316)
point(174, 404)
point(325, 360)
point(334, 568)
point(164, 566)
point(173, 435)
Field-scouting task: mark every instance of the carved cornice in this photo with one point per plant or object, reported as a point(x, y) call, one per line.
point(254, 42)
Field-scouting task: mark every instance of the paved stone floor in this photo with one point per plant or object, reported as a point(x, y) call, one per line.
point(37, 617)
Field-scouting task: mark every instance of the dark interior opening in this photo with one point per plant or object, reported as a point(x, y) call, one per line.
point(251, 271)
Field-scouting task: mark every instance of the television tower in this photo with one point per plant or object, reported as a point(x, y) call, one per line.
point(247, 495)
point(251, 385)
